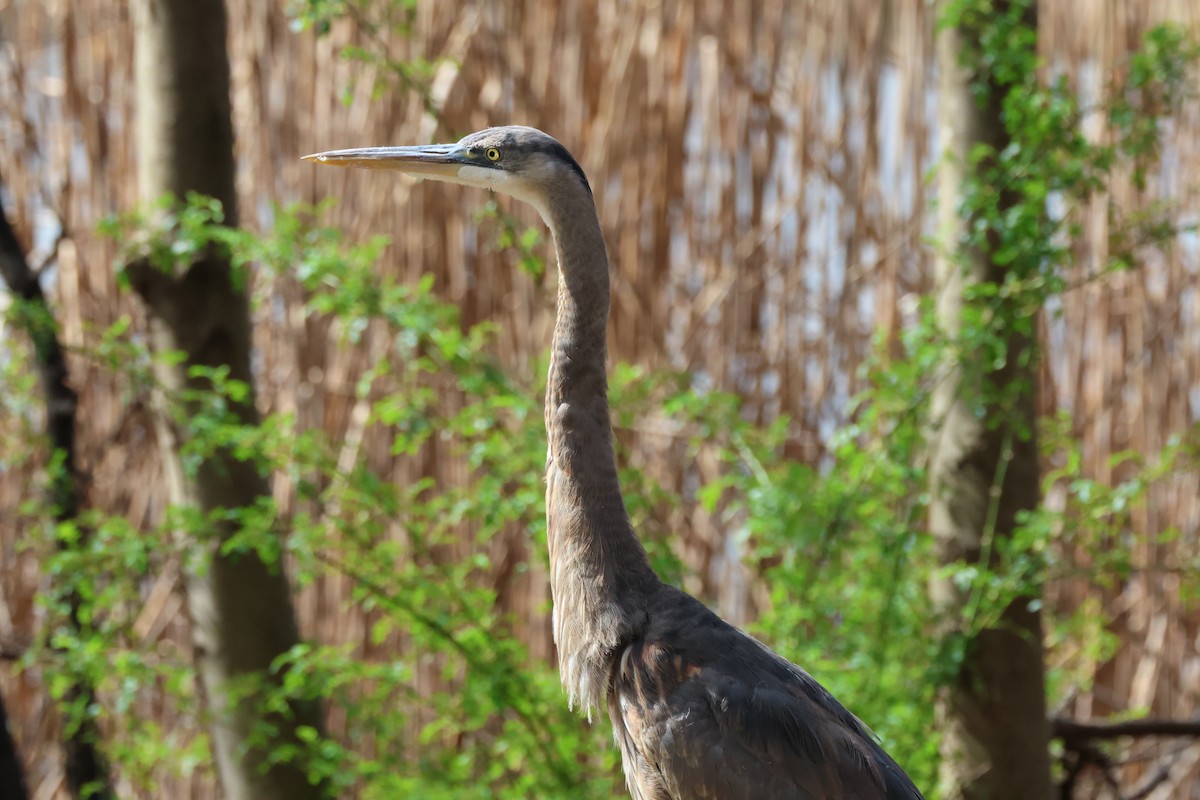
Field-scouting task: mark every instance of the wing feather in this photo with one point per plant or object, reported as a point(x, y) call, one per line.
point(701, 711)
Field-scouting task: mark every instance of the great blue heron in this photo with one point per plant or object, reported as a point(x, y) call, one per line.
point(699, 708)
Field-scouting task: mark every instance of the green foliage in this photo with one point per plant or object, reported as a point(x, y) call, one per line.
point(1043, 155)
point(441, 700)
point(844, 548)
point(842, 554)
point(19, 403)
point(511, 236)
point(95, 565)
point(379, 25)
point(499, 725)
point(1098, 519)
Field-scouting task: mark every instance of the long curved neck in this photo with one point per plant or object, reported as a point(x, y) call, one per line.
point(600, 576)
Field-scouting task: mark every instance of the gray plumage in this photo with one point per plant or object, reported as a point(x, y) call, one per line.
point(699, 709)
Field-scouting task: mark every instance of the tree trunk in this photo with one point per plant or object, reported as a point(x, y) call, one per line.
point(240, 606)
point(984, 470)
point(12, 778)
point(83, 765)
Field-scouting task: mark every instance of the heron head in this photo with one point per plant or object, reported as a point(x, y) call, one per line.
point(514, 160)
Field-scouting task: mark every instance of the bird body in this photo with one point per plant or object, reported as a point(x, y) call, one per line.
point(700, 710)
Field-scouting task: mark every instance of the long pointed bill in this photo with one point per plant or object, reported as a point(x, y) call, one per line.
point(426, 161)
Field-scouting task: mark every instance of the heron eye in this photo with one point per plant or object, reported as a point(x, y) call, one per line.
point(492, 153)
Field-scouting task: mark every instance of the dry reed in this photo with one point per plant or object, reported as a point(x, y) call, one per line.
point(759, 171)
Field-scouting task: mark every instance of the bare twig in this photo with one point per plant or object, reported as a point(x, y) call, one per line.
point(1152, 783)
point(1074, 731)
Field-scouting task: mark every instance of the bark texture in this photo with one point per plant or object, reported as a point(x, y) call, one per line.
point(240, 607)
point(12, 777)
point(984, 472)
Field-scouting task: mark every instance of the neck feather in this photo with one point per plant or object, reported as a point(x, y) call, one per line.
point(600, 576)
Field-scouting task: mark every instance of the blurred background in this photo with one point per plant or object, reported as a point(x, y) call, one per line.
point(761, 172)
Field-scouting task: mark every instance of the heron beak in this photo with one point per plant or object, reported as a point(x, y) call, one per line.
point(424, 161)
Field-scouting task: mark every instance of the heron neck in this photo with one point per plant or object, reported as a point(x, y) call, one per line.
point(578, 369)
point(600, 575)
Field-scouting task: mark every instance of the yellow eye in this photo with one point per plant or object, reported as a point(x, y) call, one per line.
point(492, 153)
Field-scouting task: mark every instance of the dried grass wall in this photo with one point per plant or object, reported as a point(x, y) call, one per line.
point(759, 171)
